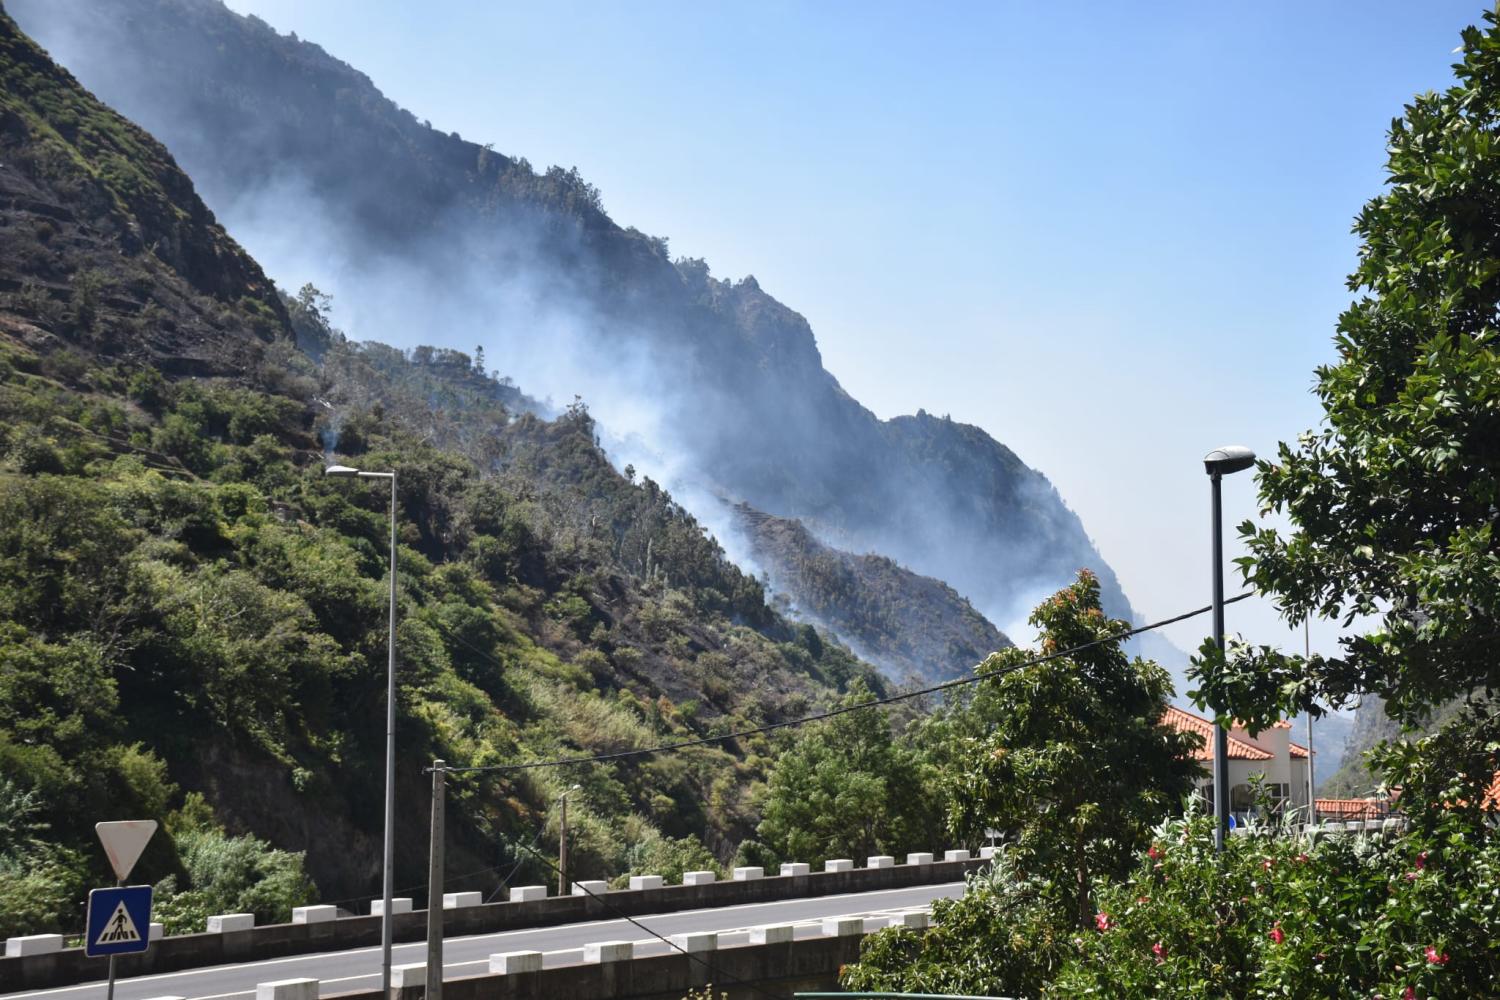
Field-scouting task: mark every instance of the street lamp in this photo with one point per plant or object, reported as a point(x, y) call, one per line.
point(389, 885)
point(1219, 463)
point(562, 843)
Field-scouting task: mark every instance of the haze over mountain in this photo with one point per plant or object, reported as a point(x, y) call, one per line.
point(193, 618)
point(712, 386)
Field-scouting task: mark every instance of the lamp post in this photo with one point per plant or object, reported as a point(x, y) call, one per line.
point(388, 876)
point(562, 842)
point(1219, 463)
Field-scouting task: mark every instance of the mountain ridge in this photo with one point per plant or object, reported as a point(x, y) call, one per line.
point(721, 376)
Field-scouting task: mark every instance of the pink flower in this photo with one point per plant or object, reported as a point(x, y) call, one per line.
point(1434, 957)
point(1421, 861)
point(1102, 921)
point(1154, 853)
point(1267, 864)
point(1303, 859)
point(1142, 899)
point(1160, 952)
point(1409, 994)
point(1411, 876)
point(1277, 934)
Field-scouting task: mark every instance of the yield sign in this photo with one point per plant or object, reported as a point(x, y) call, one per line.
point(124, 841)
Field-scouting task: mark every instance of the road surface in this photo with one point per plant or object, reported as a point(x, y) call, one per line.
point(359, 968)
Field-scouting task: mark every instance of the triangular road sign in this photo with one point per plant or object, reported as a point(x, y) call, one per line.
point(124, 841)
point(119, 928)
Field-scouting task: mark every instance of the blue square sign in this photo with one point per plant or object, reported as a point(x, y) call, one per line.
point(119, 921)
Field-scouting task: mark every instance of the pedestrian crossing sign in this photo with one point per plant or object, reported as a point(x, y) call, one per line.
point(119, 921)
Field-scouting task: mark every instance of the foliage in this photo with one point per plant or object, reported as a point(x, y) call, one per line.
point(847, 788)
point(1006, 935)
point(1071, 761)
point(1416, 916)
point(226, 874)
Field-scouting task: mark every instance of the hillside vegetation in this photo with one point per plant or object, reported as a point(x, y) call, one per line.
point(194, 617)
point(908, 625)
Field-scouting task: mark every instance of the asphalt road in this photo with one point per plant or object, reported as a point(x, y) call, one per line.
point(359, 968)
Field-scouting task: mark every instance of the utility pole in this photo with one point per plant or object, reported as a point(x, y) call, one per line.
point(562, 850)
point(562, 842)
point(435, 888)
point(1312, 802)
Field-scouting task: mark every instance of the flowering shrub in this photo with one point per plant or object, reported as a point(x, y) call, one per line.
point(1279, 915)
point(1415, 916)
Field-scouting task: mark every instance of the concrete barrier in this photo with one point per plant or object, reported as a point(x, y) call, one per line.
point(608, 951)
point(33, 944)
point(157, 932)
point(222, 923)
point(168, 996)
point(843, 926)
point(314, 914)
point(646, 881)
point(956, 855)
point(404, 976)
point(880, 861)
point(527, 893)
point(590, 887)
point(838, 865)
point(748, 971)
point(198, 950)
point(399, 904)
point(287, 989)
point(749, 873)
point(919, 858)
point(772, 934)
point(986, 854)
point(912, 920)
point(697, 941)
point(794, 868)
point(508, 963)
point(459, 900)
point(698, 878)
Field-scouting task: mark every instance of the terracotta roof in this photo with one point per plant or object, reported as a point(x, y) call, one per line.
point(1492, 797)
point(1187, 722)
point(1353, 808)
point(1283, 724)
point(1298, 750)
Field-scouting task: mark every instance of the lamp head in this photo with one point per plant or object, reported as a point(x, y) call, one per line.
point(1228, 459)
point(340, 470)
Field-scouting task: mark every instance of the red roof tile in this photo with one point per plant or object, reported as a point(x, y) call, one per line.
point(1347, 809)
point(1187, 722)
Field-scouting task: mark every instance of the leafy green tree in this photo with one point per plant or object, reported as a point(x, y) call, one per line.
point(1394, 502)
point(1076, 767)
point(848, 789)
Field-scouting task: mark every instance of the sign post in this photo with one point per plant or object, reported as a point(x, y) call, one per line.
point(119, 920)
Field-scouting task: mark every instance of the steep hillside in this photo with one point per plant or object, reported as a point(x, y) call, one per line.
point(193, 617)
point(908, 625)
point(411, 228)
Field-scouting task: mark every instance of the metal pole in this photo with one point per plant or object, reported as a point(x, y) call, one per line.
point(109, 991)
point(1312, 802)
point(1221, 736)
point(562, 851)
point(435, 888)
point(387, 922)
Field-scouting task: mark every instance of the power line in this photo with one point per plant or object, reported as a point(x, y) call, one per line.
point(715, 973)
point(842, 710)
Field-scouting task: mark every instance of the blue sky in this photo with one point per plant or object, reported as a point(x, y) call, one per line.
point(1113, 235)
